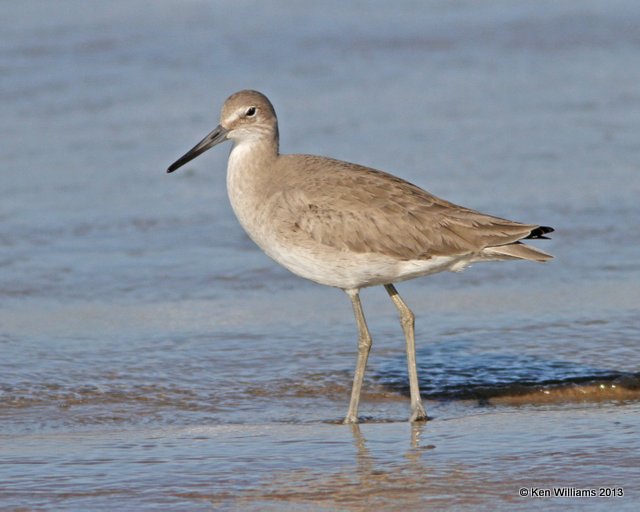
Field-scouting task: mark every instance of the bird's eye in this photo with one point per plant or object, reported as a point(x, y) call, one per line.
point(251, 111)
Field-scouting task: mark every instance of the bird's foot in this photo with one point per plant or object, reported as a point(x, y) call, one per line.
point(418, 413)
point(350, 420)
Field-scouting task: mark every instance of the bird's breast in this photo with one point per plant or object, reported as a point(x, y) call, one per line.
point(250, 189)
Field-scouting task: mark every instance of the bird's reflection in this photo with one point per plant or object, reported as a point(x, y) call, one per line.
point(365, 461)
point(417, 430)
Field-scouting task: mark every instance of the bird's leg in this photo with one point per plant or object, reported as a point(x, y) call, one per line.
point(364, 346)
point(407, 320)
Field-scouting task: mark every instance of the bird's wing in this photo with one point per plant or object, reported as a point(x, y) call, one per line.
point(354, 208)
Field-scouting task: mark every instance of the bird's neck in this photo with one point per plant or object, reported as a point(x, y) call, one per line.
point(253, 155)
point(250, 172)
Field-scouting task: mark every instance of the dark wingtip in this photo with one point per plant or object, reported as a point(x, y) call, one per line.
point(540, 231)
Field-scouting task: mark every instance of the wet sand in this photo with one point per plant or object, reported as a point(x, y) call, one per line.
point(479, 461)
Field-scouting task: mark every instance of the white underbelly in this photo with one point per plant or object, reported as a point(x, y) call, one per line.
point(350, 270)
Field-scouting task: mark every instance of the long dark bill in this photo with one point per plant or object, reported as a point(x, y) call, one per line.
point(218, 135)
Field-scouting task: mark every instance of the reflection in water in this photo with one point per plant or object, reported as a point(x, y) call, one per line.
point(403, 478)
point(417, 429)
point(364, 461)
point(475, 460)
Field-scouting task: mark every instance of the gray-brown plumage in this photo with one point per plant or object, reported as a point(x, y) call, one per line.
point(349, 226)
point(370, 211)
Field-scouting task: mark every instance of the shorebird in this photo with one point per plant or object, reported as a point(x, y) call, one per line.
point(348, 226)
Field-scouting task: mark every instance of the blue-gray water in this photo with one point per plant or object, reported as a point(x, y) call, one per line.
point(152, 357)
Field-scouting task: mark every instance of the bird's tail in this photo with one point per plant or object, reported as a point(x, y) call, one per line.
point(516, 251)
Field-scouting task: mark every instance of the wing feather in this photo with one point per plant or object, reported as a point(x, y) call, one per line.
point(354, 208)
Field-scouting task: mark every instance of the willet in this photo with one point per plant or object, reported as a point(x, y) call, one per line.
point(349, 226)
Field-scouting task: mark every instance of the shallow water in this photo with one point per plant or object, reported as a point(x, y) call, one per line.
point(152, 357)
